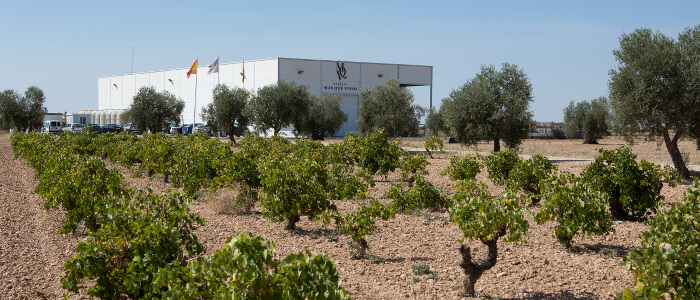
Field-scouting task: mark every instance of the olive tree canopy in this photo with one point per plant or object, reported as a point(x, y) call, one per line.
point(494, 105)
point(153, 110)
point(655, 88)
point(324, 117)
point(388, 107)
point(25, 112)
point(587, 120)
point(279, 105)
point(227, 109)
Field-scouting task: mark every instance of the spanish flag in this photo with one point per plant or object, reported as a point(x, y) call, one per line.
point(243, 73)
point(193, 69)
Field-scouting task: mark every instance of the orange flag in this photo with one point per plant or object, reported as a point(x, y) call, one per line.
point(193, 69)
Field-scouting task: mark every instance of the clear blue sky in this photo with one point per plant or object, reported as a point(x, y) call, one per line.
point(564, 47)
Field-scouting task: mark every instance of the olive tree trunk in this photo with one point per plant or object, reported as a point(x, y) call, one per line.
point(231, 134)
point(496, 144)
point(672, 147)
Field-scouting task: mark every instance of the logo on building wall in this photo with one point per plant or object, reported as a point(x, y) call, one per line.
point(340, 69)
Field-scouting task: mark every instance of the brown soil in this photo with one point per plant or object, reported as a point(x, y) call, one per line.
point(32, 252)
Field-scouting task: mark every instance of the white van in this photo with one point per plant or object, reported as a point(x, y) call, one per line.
point(51, 127)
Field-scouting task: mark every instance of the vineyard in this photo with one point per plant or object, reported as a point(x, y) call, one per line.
point(115, 216)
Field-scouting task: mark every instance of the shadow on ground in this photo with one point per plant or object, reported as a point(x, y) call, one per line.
point(554, 295)
point(605, 251)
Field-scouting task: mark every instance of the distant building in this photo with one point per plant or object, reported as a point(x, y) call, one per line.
point(53, 117)
point(82, 117)
point(320, 76)
point(546, 130)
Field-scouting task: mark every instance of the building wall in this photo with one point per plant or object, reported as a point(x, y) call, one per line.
point(78, 118)
point(117, 92)
point(53, 117)
point(320, 76)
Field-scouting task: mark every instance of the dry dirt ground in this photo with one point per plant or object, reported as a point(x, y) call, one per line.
point(32, 252)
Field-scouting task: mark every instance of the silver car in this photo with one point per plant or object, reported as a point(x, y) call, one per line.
point(74, 127)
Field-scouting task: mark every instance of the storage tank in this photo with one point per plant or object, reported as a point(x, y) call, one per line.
point(93, 117)
point(120, 117)
point(101, 117)
point(91, 113)
point(108, 116)
point(113, 116)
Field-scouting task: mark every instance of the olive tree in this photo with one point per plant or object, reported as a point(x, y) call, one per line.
point(25, 112)
point(325, 117)
point(388, 107)
point(587, 120)
point(152, 110)
point(227, 108)
point(9, 108)
point(279, 105)
point(655, 88)
point(435, 123)
point(494, 105)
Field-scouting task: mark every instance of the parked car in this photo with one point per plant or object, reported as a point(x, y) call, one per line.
point(175, 129)
point(74, 127)
point(94, 128)
point(51, 127)
point(237, 131)
point(111, 128)
point(202, 129)
point(187, 129)
point(129, 129)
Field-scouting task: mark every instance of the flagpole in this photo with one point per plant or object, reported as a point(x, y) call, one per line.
point(194, 110)
point(218, 75)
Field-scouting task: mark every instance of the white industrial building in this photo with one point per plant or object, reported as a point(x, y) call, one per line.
point(115, 93)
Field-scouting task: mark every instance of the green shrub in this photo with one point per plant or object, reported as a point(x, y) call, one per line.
point(375, 154)
point(499, 164)
point(359, 224)
point(301, 182)
point(576, 207)
point(248, 268)
point(483, 217)
point(528, 174)
point(633, 189)
point(145, 233)
point(194, 166)
point(463, 168)
point(412, 165)
point(422, 195)
point(158, 154)
point(667, 264)
point(78, 185)
point(35, 149)
point(109, 144)
point(80, 143)
point(433, 142)
point(127, 152)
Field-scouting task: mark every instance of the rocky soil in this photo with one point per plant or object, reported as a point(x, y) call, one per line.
point(32, 252)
